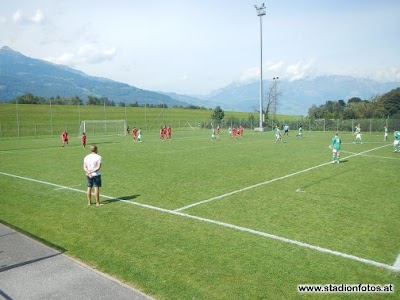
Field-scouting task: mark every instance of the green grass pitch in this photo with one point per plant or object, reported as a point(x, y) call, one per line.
point(193, 218)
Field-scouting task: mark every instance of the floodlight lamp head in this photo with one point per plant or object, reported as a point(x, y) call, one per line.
point(260, 10)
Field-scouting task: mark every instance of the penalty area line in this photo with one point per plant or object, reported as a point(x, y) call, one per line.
point(269, 181)
point(395, 267)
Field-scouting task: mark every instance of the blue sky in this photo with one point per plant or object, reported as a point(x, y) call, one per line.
point(195, 47)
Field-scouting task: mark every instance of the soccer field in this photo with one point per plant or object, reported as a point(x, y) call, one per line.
point(196, 218)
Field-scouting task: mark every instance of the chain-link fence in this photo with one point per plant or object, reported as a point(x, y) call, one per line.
point(50, 121)
point(367, 125)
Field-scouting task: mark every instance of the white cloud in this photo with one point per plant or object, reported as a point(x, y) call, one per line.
point(86, 54)
point(388, 74)
point(290, 72)
point(275, 67)
point(17, 16)
point(250, 74)
point(93, 54)
point(38, 18)
point(63, 59)
point(299, 70)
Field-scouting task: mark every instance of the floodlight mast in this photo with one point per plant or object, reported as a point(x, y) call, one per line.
point(261, 11)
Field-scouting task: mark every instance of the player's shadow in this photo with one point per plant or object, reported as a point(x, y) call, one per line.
point(117, 199)
point(325, 178)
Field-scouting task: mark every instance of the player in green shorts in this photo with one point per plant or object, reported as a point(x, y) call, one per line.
point(385, 134)
point(358, 134)
point(336, 143)
point(278, 135)
point(300, 131)
point(396, 143)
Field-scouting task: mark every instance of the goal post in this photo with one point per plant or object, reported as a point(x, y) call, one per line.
point(103, 127)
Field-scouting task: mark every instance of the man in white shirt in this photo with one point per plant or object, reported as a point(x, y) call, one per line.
point(92, 165)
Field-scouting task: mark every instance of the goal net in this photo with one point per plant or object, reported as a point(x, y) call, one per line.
point(103, 127)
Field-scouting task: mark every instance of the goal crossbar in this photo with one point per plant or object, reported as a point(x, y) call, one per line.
point(103, 127)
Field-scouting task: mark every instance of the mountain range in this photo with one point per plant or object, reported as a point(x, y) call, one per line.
point(20, 74)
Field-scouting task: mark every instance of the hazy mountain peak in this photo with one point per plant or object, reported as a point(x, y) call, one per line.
point(22, 74)
point(8, 50)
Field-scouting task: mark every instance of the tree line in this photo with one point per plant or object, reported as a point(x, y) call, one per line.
point(387, 105)
point(29, 98)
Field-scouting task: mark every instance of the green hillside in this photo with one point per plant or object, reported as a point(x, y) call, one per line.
point(21, 74)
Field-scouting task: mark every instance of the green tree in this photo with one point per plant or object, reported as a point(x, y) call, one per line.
point(218, 114)
point(354, 100)
point(93, 100)
point(391, 102)
point(75, 100)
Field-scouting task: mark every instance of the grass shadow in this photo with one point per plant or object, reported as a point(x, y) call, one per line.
point(117, 199)
point(325, 178)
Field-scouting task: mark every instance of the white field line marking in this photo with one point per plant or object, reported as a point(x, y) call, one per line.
point(374, 156)
point(394, 268)
point(363, 143)
point(396, 264)
point(269, 181)
point(348, 152)
point(63, 188)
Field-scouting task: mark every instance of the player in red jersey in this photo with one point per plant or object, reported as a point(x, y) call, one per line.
point(241, 131)
point(134, 133)
point(169, 132)
point(64, 138)
point(234, 132)
point(163, 132)
point(83, 140)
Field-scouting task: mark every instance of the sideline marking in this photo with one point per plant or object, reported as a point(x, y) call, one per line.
point(63, 188)
point(395, 267)
point(269, 181)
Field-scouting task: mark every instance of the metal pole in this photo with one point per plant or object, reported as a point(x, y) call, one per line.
point(260, 13)
point(261, 76)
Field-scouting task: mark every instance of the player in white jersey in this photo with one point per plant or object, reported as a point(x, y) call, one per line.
point(358, 134)
point(396, 142)
point(385, 136)
point(278, 134)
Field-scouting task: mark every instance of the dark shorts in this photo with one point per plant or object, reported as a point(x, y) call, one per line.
point(94, 181)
